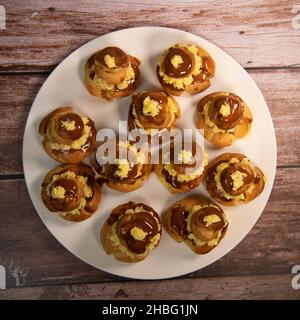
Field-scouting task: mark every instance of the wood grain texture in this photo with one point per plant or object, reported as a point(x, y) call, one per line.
point(40, 34)
point(281, 89)
point(32, 257)
point(248, 287)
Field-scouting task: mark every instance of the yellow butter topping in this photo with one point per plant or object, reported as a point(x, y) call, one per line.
point(123, 168)
point(176, 60)
point(185, 156)
point(225, 109)
point(68, 125)
point(151, 107)
point(138, 233)
point(237, 179)
point(58, 192)
point(212, 218)
point(110, 61)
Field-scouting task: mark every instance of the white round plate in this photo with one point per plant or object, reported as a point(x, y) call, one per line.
point(65, 87)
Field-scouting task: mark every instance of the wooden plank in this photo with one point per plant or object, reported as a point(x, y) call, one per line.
point(244, 287)
point(40, 34)
point(32, 257)
point(281, 89)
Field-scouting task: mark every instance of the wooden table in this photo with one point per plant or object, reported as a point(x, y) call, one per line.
point(259, 35)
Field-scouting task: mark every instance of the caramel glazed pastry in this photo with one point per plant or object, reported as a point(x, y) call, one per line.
point(111, 73)
point(224, 116)
point(68, 137)
point(127, 171)
point(197, 221)
point(185, 67)
point(131, 232)
point(184, 170)
point(71, 191)
point(153, 111)
point(231, 179)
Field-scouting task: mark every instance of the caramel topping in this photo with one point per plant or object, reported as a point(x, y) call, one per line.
point(199, 226)
point(142, 220)
point(181, 70)
point(162, 101)
point(119, 56)
point(226, 112)
point(227, 178)
point(179, 214)
point(77, 126)
point(72, 195)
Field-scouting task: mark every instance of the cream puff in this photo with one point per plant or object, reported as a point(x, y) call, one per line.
point(67, 136)
point(71, 191)
point(131, 232)
point(185, 68)
point(126, 169)
point(183, 169)
point(232, 179)
point(224, 116)
point(111, 73)
point(197, 221)
point(152, 112)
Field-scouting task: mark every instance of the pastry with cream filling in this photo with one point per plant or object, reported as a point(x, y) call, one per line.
point(224, 116)
point(67, 136)
point(232, 179)
point(197, 221)
point(153, 111)
point(126, 170)
point(111, 73)
point(184, 168)
point(185, 67)
point(131, 232)
point(72, 191)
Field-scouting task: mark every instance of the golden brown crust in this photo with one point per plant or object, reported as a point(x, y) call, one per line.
point(111, 247)
point(200, 83)
point(65, 156)
point(95, 90)
point(187, 204)
point(91, 203)
point(226, 138)
point(257, 180)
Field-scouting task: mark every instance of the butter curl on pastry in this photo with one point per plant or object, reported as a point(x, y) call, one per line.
point(224, 116)
point(232, 179)
point(197, 221)
point(111, 73)
point(131, 232)
point(125, 168)
point(184, 169)
point(72, 191)
point(153, 111)
point(185, 67)
point(67, 136)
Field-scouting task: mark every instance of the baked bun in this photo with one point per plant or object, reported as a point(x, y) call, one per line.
point(67, 136)
point(152, 112)
point(111, 73)
point(185, 67)
point(71, 191)
point(231, 179)
point(131, 232)
point(224, 116)
point(126, 169)
point(197, 221)
point(184, 169)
